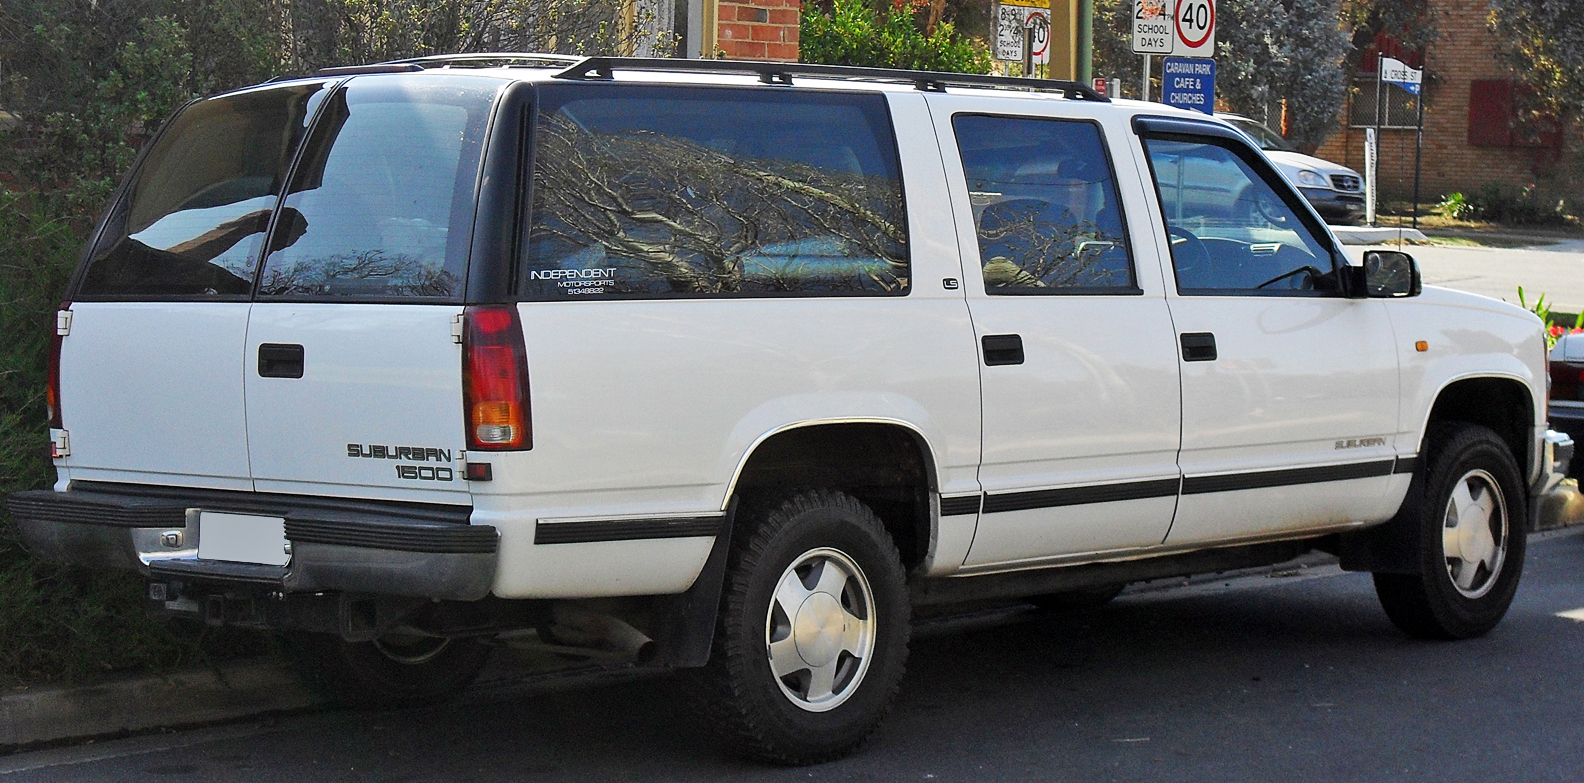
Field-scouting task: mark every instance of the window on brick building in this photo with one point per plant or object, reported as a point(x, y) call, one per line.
point(1496, 117)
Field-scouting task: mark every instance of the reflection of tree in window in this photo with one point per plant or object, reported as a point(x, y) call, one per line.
point(1034, 248)
point(1044, 205)
point(365, 273)
point(673, 215)
point(382, 202)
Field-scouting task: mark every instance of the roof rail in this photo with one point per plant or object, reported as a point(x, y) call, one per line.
point(493, 60)
point(604, 68)
point(353, 70)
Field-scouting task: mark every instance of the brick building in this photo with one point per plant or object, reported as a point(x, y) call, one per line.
point(747, 30)
point(1472, 134)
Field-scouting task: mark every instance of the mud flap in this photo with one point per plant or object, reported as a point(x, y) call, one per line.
point(686, 629)
point(1392, 548)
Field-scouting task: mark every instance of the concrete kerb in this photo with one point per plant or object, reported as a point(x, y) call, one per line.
point(1366, 235)
point(50, 714)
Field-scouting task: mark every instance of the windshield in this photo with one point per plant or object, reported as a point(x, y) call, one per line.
point(1266, 138)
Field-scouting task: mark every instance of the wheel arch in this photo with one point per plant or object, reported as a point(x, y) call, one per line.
point(886, 463)
point(1502, 402)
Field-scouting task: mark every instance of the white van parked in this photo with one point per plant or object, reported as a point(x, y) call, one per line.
point(730, 364)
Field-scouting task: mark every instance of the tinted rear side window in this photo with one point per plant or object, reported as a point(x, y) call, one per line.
point(657, 191)
point(381, 205)
point(1045, 206)
point(195, 212)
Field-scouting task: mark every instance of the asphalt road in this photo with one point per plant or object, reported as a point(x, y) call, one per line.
point(1555, 269)
point(1276, 678)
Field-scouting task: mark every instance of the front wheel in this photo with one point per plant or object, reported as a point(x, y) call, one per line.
point(1472, 538)
point(813, 632)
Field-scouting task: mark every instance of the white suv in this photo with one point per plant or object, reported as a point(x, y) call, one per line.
point(731, 364)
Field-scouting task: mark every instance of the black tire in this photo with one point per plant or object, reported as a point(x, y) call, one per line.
point(773, 719)
point(1078, 600)
point(390, 673)
point(1432, 604)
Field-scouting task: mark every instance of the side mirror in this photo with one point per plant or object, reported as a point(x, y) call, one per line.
point(1389, 274)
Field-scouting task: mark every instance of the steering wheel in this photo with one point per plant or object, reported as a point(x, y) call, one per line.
point(1258, 206)
point(1188, 251)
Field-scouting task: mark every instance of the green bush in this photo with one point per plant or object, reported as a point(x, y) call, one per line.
point(1456, 206)
point(853, 33)
point(1498, 203)
point(61, 623)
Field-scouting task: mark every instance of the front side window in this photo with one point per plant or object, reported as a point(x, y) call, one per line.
point(1230, 232)
point(1045, 206)
point(194, 214)
point(656, 191)
point(381, 205)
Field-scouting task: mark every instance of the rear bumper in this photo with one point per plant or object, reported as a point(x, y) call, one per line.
point(375, 548)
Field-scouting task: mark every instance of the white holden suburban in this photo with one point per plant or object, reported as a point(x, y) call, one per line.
point(731, 365)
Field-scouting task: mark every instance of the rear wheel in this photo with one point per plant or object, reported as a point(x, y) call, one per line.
point(395, 670)
point(1471, 538)
point(813, 633)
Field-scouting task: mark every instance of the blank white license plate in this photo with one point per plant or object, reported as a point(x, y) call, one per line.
point(241, 538)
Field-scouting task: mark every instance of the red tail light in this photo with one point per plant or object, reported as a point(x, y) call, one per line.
point(1567, 380)
point(495, 379)
point(52, 393)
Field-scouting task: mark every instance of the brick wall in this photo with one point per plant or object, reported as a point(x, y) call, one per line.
point(1464, 52)
point(758, 30)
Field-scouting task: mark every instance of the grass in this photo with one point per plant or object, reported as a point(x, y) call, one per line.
point(1392, 214)
point(59, 623)
point(1479, 240)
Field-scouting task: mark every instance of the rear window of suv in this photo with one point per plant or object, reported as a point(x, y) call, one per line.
point(664, 192)
point(192, 218)
point(381, 205)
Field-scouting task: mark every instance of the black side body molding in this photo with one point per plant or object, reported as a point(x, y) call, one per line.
point(626, 529)
point(1076, 496)
point(960, 506)
point(1198, 485)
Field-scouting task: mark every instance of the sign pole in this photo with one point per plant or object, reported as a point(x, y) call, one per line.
point(1028, 52)
point(1144, 84)
point(1374, 142)
point(1418, 153)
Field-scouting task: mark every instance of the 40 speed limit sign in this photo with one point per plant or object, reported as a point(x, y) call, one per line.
point(1194, 28)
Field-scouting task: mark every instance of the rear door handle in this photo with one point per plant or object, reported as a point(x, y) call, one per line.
point(1198, 347)
point(280, 360)
point(1002, 349)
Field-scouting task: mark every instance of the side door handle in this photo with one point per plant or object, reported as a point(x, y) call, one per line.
point(280, 360)
point(1002, 349)
point(1198, 347)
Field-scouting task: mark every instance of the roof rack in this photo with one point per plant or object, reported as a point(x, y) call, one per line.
point(493, 60)
point(604, 68)
point(353, 70)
